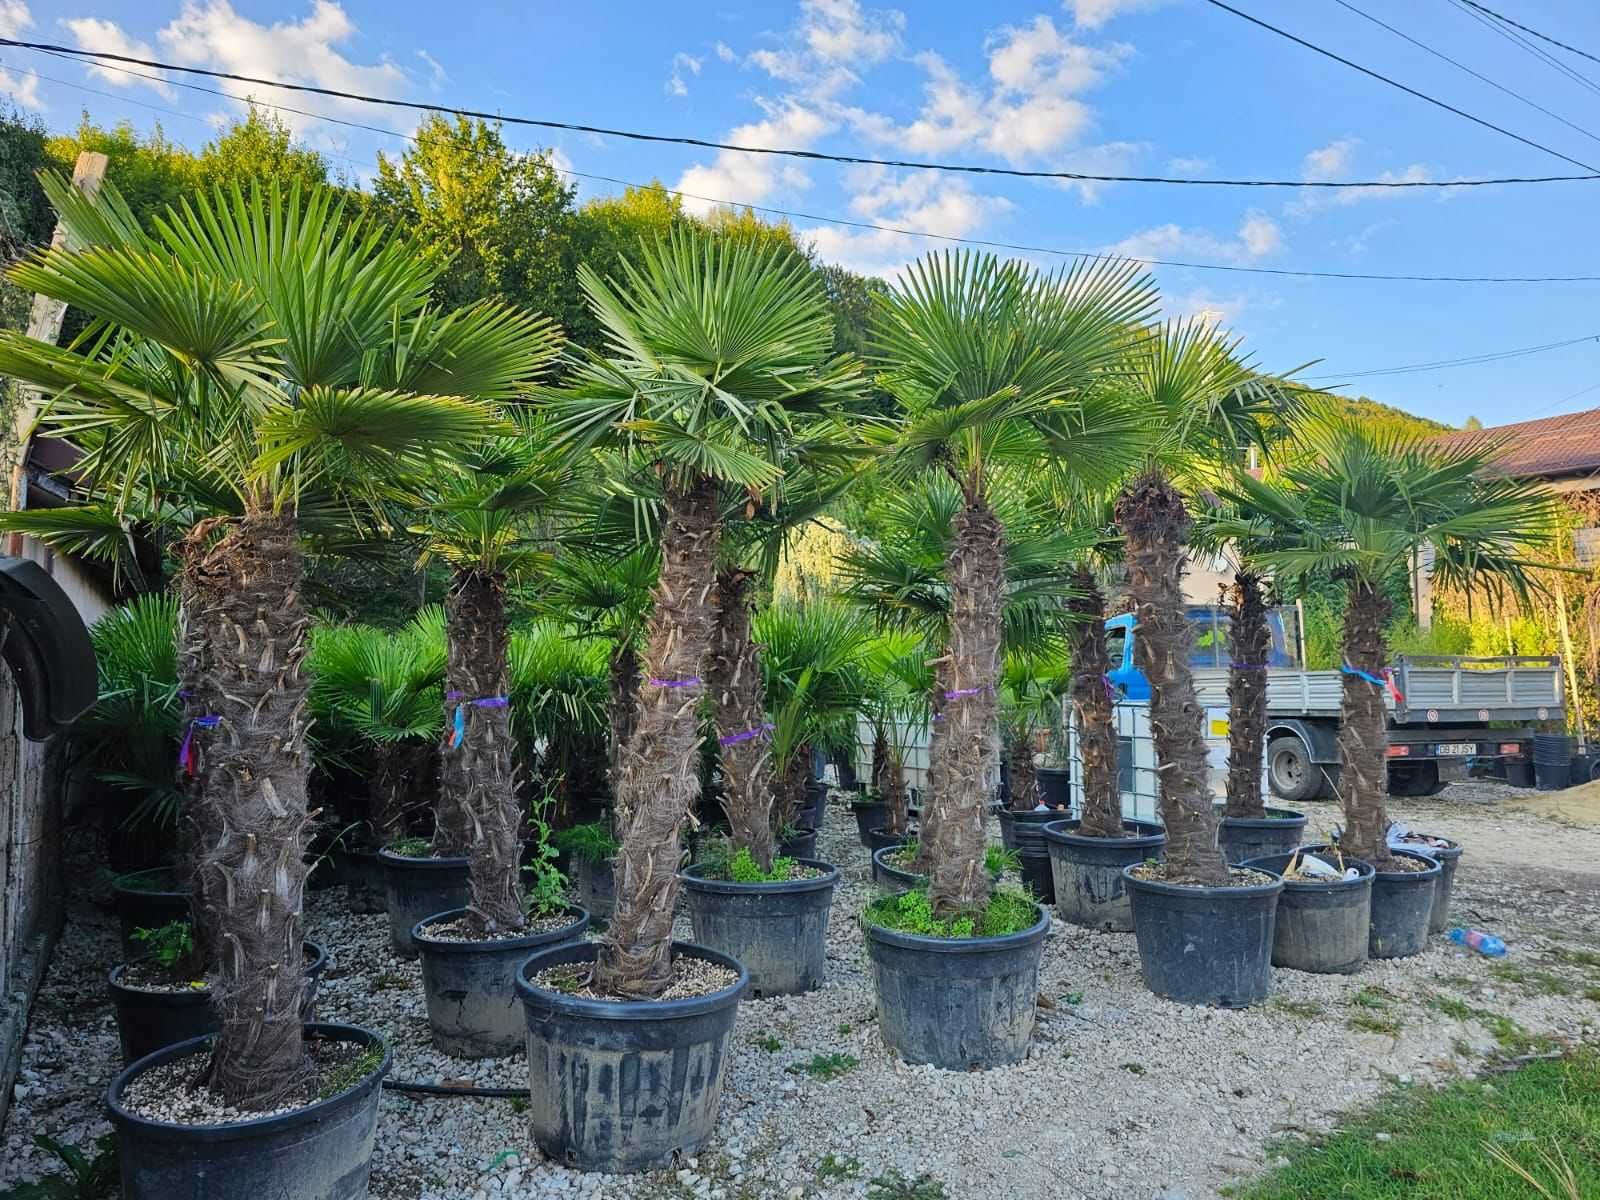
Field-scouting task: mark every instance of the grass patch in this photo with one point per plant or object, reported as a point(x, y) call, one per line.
point(1592, 994)
point(1542, 983)
point(768, 1043)
point(1439, 1142)
point(388, 981)
point(1450, 1006)
point(893, 1185)
point(1371, 997)
point(1374, 1022)
point(1133, 1068)
point(1513, 1038)
point(826, 1067)
point(830, 1166)
point(411, 847)
point(1578, 958)
point(1298, 1008)
point(1010, 911)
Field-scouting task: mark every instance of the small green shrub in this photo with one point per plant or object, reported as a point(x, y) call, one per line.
point(411, 847)
point(171, 945)
point(997, 860)
point(893, 1185)
point(831, 1166)
point(768, 1043)
point(345, 1076)
point(743, 868)
point(594, 843)
point(1010, 911)
point(826, 1067)
point(545, 887)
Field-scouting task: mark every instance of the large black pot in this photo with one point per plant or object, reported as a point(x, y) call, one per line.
point(471, 987)
point(1402, 906)
point(593, 886)
point(414, 888)
point(147, 1021)
point(1552, 761)
point(957, 1003)
point(870, 815)
point(1279, 832)
point(147, 900)
point(1024, 833)
point(1321, 927)
point(778, 931)
point(816, 805)
point(803, 844)
point(362, 874)
point(1087, 871)
point(1055, 786)
point(620, 1085)
point(1447, 857)
point(1204, 945)
point(878, 838)
point(891, 878)
point(320, 1152)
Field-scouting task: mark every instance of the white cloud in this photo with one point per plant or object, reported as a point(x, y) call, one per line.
point(726, 53)
point(1108, 158)
point(1259, 236)
point(440, 75)
point(1330, 161)
point(1188, 166)
point(24, 89)
point(1207, 307)
point(92, 33)
point(681, 62)
point(210, 33)
point(737, 178)
point(14, 19)
point(917, 202)
point(840, 31)
point(1091, 14)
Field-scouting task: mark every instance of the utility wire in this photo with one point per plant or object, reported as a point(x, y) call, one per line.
point(1410, 91)
point(1467, 361)
point(1525, 29)
point(1522, 43)
point(102, 56)
point(1470, 71)
point(1282, 272)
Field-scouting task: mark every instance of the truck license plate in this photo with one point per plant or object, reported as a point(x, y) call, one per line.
point(1458, 748)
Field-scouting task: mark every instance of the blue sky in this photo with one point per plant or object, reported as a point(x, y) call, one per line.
point(1172, 87)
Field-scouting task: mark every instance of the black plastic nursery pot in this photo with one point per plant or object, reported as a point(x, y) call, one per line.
point(957, 1003)
point(471, 987)
point(816, 805)
point(1402, 906)
point(778, 931)
point(1205, 945)
point(320, 1152)
point(1055, 786)
point(593, 886)
point(1321, 927)
point(1087, 871)
point(624, 1085)
point(870, 815)
point(1448, 857)
point(878, 838)
point(415, 888)
point(803, 844)
point(1279, 832)
point(362, 874)
point(147, 1020)
point(891, 878)
point(148, 900)
point(1024, 833)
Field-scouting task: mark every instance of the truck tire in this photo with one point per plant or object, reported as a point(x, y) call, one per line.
point(1416, 779)
point(1291, 774)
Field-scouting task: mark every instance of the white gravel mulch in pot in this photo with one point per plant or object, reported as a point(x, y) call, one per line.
point(1122, 1094)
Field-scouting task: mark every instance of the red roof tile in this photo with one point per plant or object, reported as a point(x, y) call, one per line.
point(1562, 445)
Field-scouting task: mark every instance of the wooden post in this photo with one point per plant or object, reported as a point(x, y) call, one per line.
point(44, 324)
point(1574, 697)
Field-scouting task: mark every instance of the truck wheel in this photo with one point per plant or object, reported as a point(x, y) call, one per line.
point(1291, 774)
point(1419, 779)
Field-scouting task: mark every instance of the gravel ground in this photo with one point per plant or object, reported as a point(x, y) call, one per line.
point(1122, 1096)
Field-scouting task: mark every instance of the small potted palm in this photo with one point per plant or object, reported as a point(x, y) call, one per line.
point(713, 347)
point(896, 706)
point(1031, 682)
point(1362, 502)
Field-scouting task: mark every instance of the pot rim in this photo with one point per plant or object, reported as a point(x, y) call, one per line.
point(531, 994)
point(882, 832)
point(1035, 816)
point(1057, 831)
point(1317, 887)
point(902, 940)
point(317, 962)
point(450, 862)
point(117, 889)
point(877, 861)
point(175, 1131)
point(1435, 867)
point(1289, 818)
point(1160, 888)
point(522, 941)
point(730, 887)
point(1453, 850)
point(864, 803)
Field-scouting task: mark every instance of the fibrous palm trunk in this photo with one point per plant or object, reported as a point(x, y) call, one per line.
point(958, 884)
point(1251, 640)
point(244, 633)
point(1095, 709)
point(397, 776)
point(880, 762)
point(622, 705)
point(478, 789)
point(739, 699)
point(1023, 776)
point(1155, 526)
point(1363, 734)
point(933, 792)
point(789, 788)
point(661, 766)
point(894, 795)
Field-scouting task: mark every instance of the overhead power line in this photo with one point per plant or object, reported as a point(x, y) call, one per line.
point(101, 56)
point(1394, 83)
point(1539, 52)
point(1525, 29)
point(1466, 361)
point(1479, 75)
point(792, 214)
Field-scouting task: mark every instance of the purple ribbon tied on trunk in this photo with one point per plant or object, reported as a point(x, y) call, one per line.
point(186, 751)
point(458, 729)
point(692, 681)
point(734, 739)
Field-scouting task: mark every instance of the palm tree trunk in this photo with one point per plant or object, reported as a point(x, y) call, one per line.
point(661, 767)
point(789, 788)
point(958, 884)
point(1156, 527)
point(391, 780)
point(741, 713)
point(880, 763)
point(623, 706)
point(1092, 702)
point(478, 767)
point(894, 796)
point(1024, 776)
point(933, 793)
point(244, 634)
point(1251, 642)
point(1363, 733)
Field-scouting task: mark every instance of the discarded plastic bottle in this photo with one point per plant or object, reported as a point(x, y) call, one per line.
point(1484, 943)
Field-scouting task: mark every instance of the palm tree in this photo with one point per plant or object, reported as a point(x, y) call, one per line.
point(713, 349)
point(897, 706)
point(1201, 403)
point(1358, 505)
point(258, 359)
point(1032, 682)
point(991, 363)
point(481, 519)
point(559, 708)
